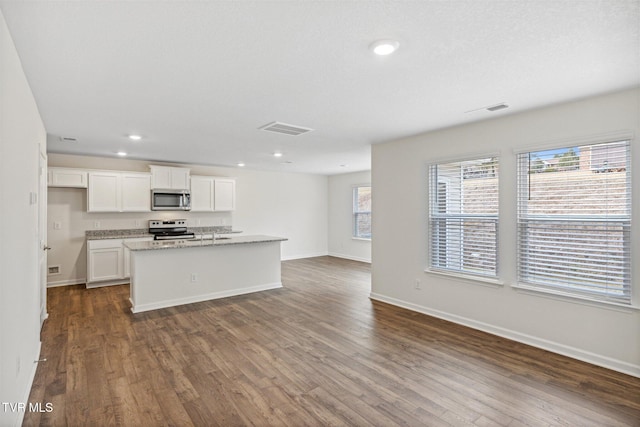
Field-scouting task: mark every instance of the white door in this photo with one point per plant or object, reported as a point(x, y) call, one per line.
point(42, 235)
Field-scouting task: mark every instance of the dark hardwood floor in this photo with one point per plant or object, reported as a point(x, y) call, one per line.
point(316, 352)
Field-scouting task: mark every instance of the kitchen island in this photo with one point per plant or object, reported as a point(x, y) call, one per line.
point(166, 273)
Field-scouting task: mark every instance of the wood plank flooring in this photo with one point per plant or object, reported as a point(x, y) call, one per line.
point(316, 352)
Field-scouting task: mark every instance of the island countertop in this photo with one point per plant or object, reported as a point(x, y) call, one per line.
point(192, 243)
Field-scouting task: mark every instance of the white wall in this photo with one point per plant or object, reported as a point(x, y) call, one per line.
point(341, 242)
point(21, 132)
point(280, 204)
point(602, 335)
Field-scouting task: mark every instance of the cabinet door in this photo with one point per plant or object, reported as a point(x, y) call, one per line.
point(180, 178)
point(160, 177)
point(64, 177)
point(105, 260)
point(104, 192)
point(136, 192)
point(224, 194)
point(202, 194)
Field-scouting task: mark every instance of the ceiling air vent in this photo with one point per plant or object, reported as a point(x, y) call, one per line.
point(497, 107)
point(285, 128)
point(68, 139)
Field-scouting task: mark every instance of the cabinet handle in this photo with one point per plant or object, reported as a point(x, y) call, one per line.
point(46, 248)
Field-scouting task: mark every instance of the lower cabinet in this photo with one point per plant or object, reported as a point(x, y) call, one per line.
point(108, 261)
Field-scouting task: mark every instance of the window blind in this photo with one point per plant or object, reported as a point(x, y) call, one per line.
point(463, 216)
point(574, 220)
point(362, 212)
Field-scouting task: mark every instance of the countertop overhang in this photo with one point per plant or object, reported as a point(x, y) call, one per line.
point(194, 243)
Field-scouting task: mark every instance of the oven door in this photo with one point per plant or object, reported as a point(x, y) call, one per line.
point(170, 200)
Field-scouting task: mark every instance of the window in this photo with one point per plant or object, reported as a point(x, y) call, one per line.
point(574, 220)
point(362, 212)
point(463, 216)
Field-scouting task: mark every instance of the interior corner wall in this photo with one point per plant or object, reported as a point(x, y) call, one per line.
point(341, 241)
point(598, 334)
point(21, 132)
point(289, 205)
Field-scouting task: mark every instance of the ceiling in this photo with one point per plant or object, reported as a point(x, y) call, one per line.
point(198, 79)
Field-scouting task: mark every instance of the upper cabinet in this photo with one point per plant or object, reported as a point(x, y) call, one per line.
point(169, 178)
point(119, 192)
point(211, 194)
point(67, 177)
point(224, 194)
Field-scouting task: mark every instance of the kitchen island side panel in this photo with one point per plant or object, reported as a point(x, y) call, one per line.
point(170, 277)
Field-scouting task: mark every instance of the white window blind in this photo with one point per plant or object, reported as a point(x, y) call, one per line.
point(463, 216)
point(362, 212)
point(574, 220)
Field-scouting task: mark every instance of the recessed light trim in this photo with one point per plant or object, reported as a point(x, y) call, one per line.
point(121, 153)
point(241, 165)
point(277, 154)
point(135, 137)
point(384, 47)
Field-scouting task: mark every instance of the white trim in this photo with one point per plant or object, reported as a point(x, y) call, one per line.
point(480, 280)
point(351, 257)
point(555, 347)
point(93, 285)
point(361, 238)
point(32, 377)
point(623, 135)
point(301, 256)
point(205, 297)
point(574, 298)
point(464, 158)
point(80, 281)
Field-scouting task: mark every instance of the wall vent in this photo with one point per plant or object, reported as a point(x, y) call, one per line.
point(68, 139)
point(53, 269)
point(285, 128)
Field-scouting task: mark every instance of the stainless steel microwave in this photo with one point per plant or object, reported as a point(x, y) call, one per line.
point(170, 200)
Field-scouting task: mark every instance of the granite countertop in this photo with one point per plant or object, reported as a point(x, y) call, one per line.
point(144, 232)
point(191, 243)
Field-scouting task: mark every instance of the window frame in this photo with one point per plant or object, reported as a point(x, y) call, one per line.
point(355, 212)
point(434, 182)
point(572, 292)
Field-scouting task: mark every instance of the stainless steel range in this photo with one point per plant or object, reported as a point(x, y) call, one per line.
point(170, 229)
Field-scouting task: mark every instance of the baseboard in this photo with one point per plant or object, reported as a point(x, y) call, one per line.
point(57, 283)
point(199, 298)
point(555, 347)
point(32, 376)
point(292, 257)
point(351, 257)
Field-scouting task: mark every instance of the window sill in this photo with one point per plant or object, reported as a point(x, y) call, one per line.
point(361, 238)
point(478, 280)
point(575, 299)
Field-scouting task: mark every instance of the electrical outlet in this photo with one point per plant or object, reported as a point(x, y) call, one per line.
point(96, 224)
point(57, 225)
point(137, 223)
point(418, 284)
point(194, 277)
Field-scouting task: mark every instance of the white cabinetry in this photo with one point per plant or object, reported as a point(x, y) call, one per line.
point(108, 261)
point(210, 194)
point(202, 194)
point(67, 177)
point(169, 178)
point(104, 260)
point(119, 192)
point(224, 194)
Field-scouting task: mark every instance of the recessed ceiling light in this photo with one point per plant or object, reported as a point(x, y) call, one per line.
point(241, 165)
point(121, 153)
point(384, 47)
point(135, 137)
point(277, 154)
